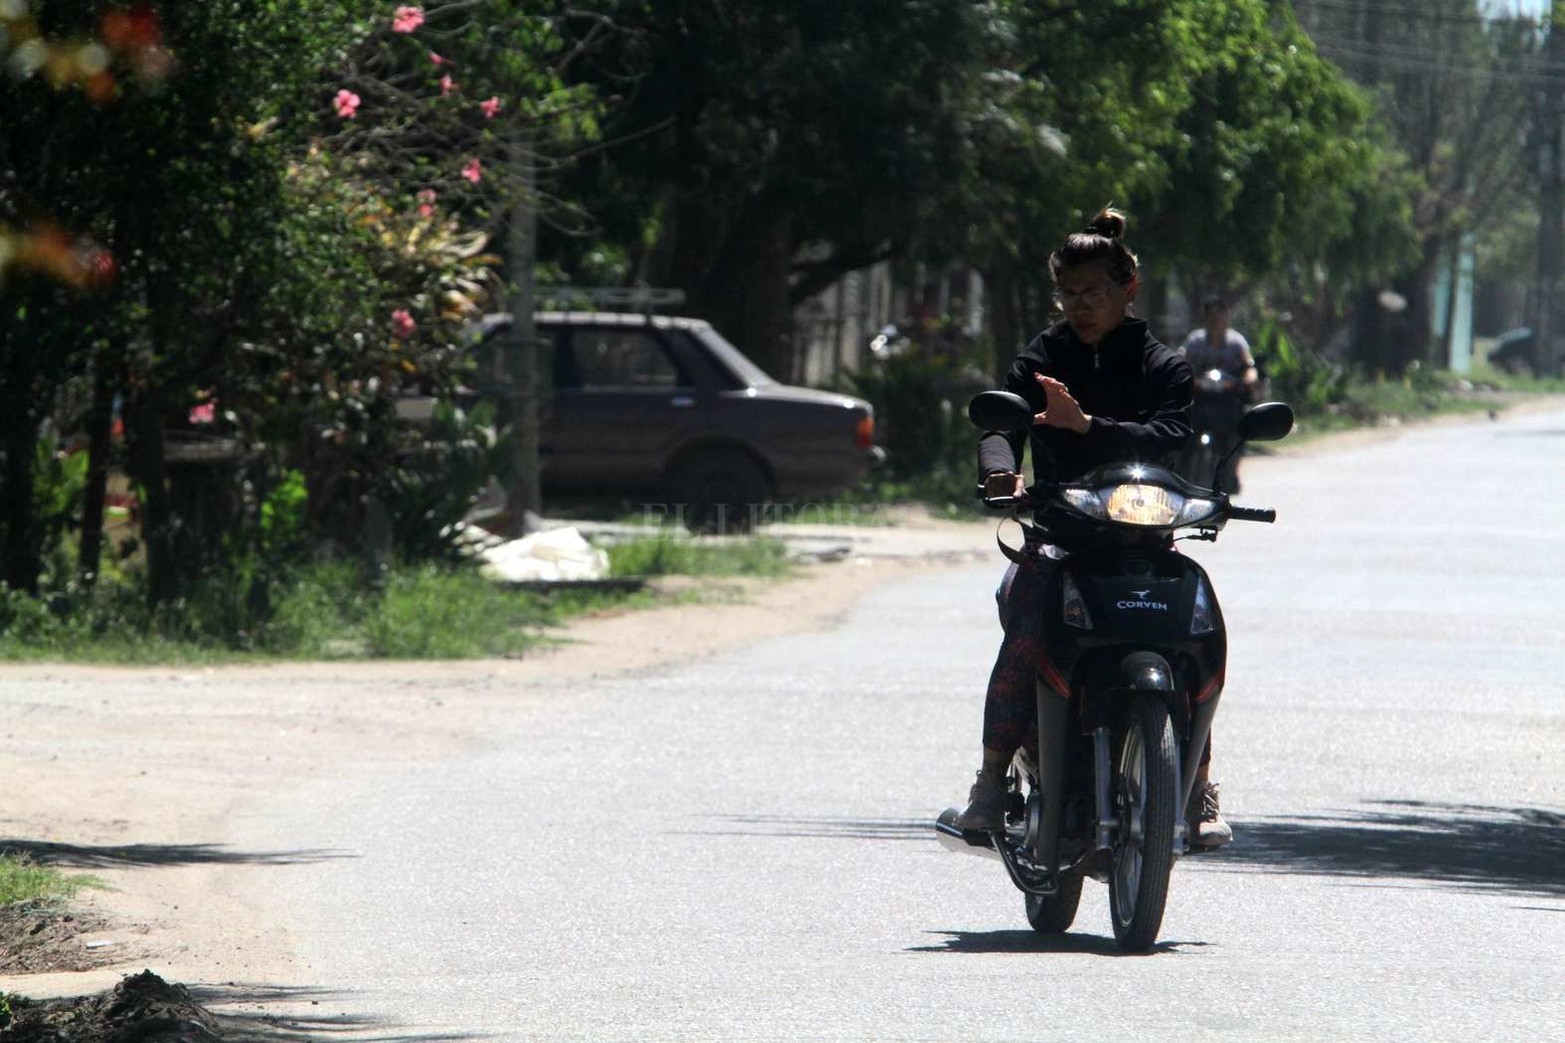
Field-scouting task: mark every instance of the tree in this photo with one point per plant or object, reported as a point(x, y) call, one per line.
point(1242, 154)
point(247, 281)
point(767, 148)
point(464, 100)
point(1456, 87)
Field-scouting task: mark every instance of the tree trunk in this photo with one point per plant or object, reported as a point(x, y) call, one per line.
point(1417, 327)
point(144, 425)
point(1005, 322)
point(746, 293)
point(100, 420)
point(22, 566)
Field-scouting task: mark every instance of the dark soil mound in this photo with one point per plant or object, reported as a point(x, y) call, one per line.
point(140, 1009)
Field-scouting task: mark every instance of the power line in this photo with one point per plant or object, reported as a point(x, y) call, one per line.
point(1536, 72)
point(1420, 13)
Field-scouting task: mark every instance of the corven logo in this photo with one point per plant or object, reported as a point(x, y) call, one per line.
point(1140, 602)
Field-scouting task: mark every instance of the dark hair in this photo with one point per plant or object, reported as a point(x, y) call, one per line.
point(1100, 243)
point(1213, 303)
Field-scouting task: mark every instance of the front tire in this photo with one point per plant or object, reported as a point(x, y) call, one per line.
point(1053, 914)
point(1146, 806)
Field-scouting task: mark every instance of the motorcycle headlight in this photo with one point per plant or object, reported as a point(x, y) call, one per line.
point(1086, 501)
point(1136, 503)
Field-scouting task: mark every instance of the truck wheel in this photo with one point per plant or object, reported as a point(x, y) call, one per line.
point(720, 491)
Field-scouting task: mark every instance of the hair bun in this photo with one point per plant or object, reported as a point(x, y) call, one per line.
point(1109, 223)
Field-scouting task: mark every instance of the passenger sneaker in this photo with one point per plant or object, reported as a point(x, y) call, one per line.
point(985, 809)
point(1205, 818)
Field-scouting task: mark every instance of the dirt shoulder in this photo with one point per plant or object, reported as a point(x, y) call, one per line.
point(132, 775)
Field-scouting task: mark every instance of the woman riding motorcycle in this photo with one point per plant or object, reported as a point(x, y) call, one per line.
point(1104, 390)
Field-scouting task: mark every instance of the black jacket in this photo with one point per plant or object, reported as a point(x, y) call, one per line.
point(1136, 390)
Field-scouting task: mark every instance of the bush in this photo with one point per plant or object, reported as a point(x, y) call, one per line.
point(1298, 375)
point(920, 399)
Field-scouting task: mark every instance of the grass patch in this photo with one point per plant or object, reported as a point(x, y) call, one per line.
point(318, 612)
point(22, 880)
point(667, 554)
point(340, 611)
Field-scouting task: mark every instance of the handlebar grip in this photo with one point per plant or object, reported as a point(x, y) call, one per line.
point(1255, 514)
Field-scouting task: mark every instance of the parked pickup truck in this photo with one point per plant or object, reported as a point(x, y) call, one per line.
point(666, 413)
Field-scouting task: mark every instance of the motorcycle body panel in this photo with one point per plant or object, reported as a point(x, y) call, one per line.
point(1141, 603)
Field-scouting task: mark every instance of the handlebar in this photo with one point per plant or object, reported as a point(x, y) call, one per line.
point(1255, 514)
point(1234, 512)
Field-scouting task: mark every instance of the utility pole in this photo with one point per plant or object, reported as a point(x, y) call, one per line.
point(523, 492)
point(1551, 188)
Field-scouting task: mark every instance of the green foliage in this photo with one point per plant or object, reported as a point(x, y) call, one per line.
point(754, 134)
point(283, 516)
point(1298, 375)
point(324, 610)
point(22, 880)
point(433, 613)
point(667, 554)
point(920, 418)
point(436, 482)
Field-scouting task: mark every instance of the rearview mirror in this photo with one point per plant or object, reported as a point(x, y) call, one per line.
point(1267, 422)
point(1000, 411)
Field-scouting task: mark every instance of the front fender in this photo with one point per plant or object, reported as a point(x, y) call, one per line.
point(1146, 672)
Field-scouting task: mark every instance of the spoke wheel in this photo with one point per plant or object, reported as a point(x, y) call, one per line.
point(1145, 803)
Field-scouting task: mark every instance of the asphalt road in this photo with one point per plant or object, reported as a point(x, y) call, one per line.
point(739, 849)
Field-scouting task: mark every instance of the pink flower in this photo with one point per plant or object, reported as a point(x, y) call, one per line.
point(402, 324)
point(205, 413)
point(474, 171)
point(426, 202)
point(490, 107)
point(447, 85)
point(407, 18)
point(347, 104)
point(437, 59)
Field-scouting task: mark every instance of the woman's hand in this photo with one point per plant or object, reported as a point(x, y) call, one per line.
point(1060, 408)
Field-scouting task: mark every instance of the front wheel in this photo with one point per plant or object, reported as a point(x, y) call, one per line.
point(1146, 807)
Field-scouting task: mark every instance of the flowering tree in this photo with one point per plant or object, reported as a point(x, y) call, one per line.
point(459, 108)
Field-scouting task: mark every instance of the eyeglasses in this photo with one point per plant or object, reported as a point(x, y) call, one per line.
point(1084, 299)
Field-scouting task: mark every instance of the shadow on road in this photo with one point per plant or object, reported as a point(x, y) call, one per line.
point(820, 827)
point(78, 856)
point(1471, 846)
point(1015, 941)
point(269, 1014)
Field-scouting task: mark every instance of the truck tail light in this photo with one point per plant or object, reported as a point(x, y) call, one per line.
point(864, 432)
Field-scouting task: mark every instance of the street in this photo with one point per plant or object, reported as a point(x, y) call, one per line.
point(740, 848)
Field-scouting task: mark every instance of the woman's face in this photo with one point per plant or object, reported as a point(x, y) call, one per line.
point(1094, 304)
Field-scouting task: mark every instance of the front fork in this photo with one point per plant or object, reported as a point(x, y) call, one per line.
point(1053, 722)
point(1103, 775)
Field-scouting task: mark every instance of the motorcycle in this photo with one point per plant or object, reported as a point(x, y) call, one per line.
point(1214, 415)
point(1132, 667)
